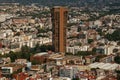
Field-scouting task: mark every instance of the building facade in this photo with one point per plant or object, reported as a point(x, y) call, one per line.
point(59, 22)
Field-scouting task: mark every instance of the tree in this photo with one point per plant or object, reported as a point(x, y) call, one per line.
point(43, 48)
point(94, 50)
point(115, 50)
point(75, 79)
point(115, 36)
point(97, 59)
point(100, 31)
point(50, 47)
point(25, 52)
point(118, 74)
point(118, 43)
point(25, 49)
point(37, 48)
point(117, 59)
point(68, 53)
point(84, 53)
point(12, 56)
point(17, 34)
point(90, 41)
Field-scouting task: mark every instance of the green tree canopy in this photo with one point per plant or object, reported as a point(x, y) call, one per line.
point(115, 36)
point(84, 53)
point(90, 41)
point(117, 59)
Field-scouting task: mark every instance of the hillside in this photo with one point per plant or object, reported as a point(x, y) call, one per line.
point(62, 2)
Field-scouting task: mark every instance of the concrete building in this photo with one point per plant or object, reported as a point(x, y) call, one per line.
point(75, 49)
point(68, 72)
point(107, 50)
point(59, 22)
point(11, 68)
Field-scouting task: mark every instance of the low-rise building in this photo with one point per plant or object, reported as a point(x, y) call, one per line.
point(68, 72)
point(9, 69)
point(107, 50)
point(75, 49)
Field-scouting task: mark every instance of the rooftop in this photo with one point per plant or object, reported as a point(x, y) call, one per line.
point(105, 66)
point(41, 54)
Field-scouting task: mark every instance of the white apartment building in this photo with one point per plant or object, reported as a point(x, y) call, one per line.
point(75, 49)
point(107, 50)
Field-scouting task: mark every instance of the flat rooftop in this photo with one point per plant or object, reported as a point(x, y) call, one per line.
point(105, 66)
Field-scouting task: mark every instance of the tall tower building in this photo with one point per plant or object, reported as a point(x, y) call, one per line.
point(59, 22)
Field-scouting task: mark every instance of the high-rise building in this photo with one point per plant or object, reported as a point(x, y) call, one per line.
point(59, 22)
